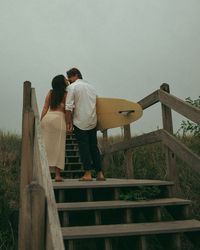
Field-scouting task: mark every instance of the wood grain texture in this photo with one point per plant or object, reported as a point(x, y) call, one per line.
point(180, 106)
point(109, 183)
point(104, 231)
point(119, 204)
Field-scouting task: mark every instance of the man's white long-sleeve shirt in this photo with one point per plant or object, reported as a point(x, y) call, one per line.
point(81, 100)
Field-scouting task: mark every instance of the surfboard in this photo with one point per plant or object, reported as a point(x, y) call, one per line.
point(114, 112)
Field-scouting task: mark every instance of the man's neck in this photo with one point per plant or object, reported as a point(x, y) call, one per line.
point(75, 80)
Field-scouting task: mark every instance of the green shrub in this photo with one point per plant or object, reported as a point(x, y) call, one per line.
point(10, 145)
point(149, 163)
point(141, 193)
point(188, 127)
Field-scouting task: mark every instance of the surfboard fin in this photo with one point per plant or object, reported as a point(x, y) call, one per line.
point(126, 112)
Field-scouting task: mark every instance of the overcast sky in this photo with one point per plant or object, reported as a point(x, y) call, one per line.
point(125, 48)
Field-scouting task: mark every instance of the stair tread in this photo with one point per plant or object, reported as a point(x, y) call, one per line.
point(75, 150)
point(74, 163)
point(102, 231)
point(72, 156)
point(73, 171)
point(75, 206)
point(75, 183)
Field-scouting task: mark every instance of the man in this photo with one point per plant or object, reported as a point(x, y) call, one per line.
point(81, 101)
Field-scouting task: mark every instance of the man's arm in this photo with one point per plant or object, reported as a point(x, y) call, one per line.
point(69, 121)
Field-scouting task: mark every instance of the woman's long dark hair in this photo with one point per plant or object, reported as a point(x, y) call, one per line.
point(58, 92)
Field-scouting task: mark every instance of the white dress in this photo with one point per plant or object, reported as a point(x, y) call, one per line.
point(53, 127)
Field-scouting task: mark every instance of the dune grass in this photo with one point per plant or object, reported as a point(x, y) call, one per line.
point(10, 146)
point(148, 162)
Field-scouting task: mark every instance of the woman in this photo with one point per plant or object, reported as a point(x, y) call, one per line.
point(54, 125)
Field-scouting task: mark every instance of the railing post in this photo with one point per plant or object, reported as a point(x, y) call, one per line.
point(105, 146)
point(33, 217)
point(128, 158)
point(26, 171)
point(170, 156)
point(27, 95)
point(27, 138)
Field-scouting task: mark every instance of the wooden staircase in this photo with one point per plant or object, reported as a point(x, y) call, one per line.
point(77, 215)
point(93, 217)
point(73, 165)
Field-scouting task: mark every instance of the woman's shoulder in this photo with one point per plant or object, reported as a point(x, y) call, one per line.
point(49, 93)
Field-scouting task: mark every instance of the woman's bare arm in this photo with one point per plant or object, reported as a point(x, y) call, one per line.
point(46, 105)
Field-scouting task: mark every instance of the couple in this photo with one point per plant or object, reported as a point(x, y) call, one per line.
point(67, 111)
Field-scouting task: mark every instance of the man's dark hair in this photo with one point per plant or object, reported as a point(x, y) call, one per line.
point(74, 72)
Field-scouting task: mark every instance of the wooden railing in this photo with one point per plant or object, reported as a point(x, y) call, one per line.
point(39, 226)
point(173, 146)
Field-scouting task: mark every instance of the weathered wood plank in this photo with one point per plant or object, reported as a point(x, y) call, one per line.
point(89, 194)
point(182, 151)
point(42, 174)
point(105, 160)
point(108, 244)
point(38, 216)
point(26, 169)
point(116, 193)
point(109, 183)
point(26, 172)
point(149, 100)
point(137, 141)
point(26, 95)
point(166, 111)
point(142, 244)
point(182, 107)
point(128, 154)
point(97, 215)
point(170, 157)
point(117, 230)
point(71, 245)
point(114, 204)
point(128, 216)
point(33, 217)
point(46, 182)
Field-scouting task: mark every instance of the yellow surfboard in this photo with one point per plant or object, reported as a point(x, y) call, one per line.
point(113, 113)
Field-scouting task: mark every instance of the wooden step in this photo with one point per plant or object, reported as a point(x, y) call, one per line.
point(69, 172)
point(72, 150)
point(71, 139)
point(105, 231)
point(70, 136)
point(72, 144)
point(73, 171)
point(73, 163)
point(100, 205)
point(72, 159)
point(72, 156)
point(109, 183)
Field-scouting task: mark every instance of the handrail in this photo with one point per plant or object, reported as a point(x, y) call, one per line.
point(149, 100)
point(134, 142)
point(161, 135)
point(42, 175)
point(173, 102)
point(182, 107)
point(165, 135)
point(39, 228)
point(182, 151)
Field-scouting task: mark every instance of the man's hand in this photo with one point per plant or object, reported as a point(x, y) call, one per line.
point(69, 128)
point(69, 122)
